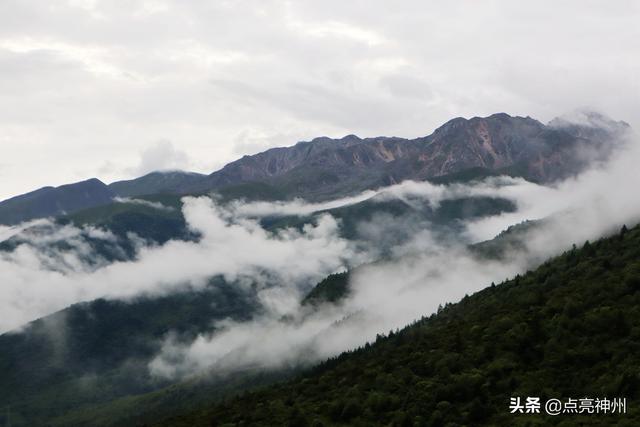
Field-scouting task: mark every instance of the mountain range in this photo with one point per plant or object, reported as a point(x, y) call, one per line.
point(326, 168)
point(88, 363)
point(569, 328)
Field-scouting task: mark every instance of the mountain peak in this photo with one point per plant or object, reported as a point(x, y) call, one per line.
point(327, 167)
point(167, 181)
point(500, 116)
point(53, 201)
point(587, 118)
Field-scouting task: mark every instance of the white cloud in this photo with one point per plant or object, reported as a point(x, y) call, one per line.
point(390, 294)
point(87, 82)
point(37, 279)
point(162, 156)
point(154, 205)
point(84, 81)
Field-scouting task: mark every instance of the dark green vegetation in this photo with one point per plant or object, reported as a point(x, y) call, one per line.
point(159, 217)
point(331, 289)
point(92, 353)
point(157, 222)
point(251, 191)
point(101, 250)
point(160, 225)
point(510, 241)
point(87, 365)
point(569, 329)
point(175, 182)
point(481, 173)
point(147, 221)
point(50, 201)
point(399, 219)
point(335, 287)
point(89, 362)
point(410, 216)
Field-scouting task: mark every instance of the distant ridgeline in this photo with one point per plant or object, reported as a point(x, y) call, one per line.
point(327, 168)
point(570, 328)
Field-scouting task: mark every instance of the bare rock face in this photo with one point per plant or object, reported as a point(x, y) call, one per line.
point(326, 167)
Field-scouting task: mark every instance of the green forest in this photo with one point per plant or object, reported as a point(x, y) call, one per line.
point(569, 329)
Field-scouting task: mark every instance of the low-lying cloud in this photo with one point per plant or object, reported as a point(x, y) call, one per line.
point(142, 202)
point(34, 285)
point(423, 272)
point(388, 295)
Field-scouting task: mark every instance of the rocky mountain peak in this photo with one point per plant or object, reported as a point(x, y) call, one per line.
point(325, 168)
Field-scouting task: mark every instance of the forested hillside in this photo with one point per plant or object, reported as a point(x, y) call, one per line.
point(570, 329)
point(76, 362)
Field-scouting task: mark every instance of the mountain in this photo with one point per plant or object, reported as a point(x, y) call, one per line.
point(156, 182)
point(159, 218)
point(446, 218)
point(98, 351)
point(325, 168)
point(569, 329)
point(48, 362)
point(335, 287)
point(55, 201)
point(156, 218)
point(87, 364)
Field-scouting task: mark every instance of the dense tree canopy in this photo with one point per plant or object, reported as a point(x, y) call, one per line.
point(570, 329)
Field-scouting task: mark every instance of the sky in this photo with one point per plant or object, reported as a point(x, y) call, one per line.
point(116, 89)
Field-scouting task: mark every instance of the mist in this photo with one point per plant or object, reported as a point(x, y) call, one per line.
point(423, 272)
point(39, 279)
point(389, 295)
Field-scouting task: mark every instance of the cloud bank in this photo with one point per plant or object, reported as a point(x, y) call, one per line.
point(426, 271)
point(388, 295)
point(38, 279)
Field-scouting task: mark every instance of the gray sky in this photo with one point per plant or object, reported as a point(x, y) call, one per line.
point(115, 89)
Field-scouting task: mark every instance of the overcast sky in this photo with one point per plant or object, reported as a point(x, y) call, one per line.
point(115, 89)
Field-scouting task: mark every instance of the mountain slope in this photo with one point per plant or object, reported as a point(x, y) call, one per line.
point(570, 329)
point(326, 168)
point(98, 351)
point(156, 182)
point(54, 201)
point(156, 218)
point(159, 217)
point(35, 373)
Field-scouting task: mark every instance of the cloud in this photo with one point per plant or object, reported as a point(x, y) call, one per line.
point(422, 272)
point(390, 294)
point(154, 205)
point(82, 82)
point(162, 156)
point(38, 278)
point(297, 207)
point(410, 192)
